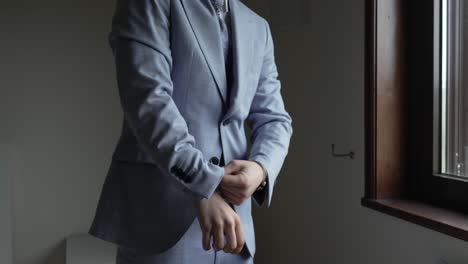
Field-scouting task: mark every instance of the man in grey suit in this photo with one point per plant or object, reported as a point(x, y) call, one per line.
point(180, 185)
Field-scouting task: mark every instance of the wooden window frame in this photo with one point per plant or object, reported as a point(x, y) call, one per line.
point(401, 68)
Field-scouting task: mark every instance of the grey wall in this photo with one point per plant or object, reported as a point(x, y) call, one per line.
point(6, 210)
point(59, 112)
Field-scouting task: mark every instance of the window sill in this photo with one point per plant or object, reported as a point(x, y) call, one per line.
point(438, 219)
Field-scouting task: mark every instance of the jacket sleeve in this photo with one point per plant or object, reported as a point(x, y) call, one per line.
point(140, 41)
point(270, 124)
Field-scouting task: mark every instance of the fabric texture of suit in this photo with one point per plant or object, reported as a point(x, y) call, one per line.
point(179, 113)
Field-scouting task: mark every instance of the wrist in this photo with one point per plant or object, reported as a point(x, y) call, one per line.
point(264, 173)
point(263, 177)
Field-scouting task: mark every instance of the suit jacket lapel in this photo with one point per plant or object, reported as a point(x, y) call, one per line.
point(205, 25)
point(242, 49)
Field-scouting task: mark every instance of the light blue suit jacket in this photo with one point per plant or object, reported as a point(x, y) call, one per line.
point(178, 115)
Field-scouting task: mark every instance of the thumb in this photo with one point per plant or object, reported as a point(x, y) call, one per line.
point(232, 167)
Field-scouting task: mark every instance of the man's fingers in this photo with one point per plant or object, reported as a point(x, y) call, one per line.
point(231, 240)
point(206, 238)
point(219, 240)
point(232, 196)
point(231, 167)
point(240, 237)
point(232, 192)
point(230, 180)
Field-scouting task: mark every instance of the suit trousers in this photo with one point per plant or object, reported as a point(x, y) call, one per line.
point(188, 250)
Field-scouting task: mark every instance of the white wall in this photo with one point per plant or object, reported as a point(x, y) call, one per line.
point(316, 216)
point(59, 112)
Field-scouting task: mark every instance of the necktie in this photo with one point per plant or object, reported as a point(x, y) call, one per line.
point(219, 5)
point(222, 10)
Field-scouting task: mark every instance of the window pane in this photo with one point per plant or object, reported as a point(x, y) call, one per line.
point(453, 90)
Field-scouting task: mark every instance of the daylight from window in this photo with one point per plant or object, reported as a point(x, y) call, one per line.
point(452, 105)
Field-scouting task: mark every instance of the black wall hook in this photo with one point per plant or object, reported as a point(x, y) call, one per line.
point(341, 155)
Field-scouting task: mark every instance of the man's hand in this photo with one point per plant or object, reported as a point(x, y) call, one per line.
point(241, 179)
point(219, 220)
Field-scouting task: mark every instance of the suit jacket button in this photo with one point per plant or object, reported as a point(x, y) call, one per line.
point(174, 170)
point(214, 160)
point(187, 179)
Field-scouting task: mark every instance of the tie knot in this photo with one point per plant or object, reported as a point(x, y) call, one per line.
point(219, 5)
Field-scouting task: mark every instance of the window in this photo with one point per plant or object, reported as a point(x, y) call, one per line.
point(452, 101)
point(417, 112)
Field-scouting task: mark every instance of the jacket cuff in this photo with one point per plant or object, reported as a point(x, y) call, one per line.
point(206, 181)
point(264, 196)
